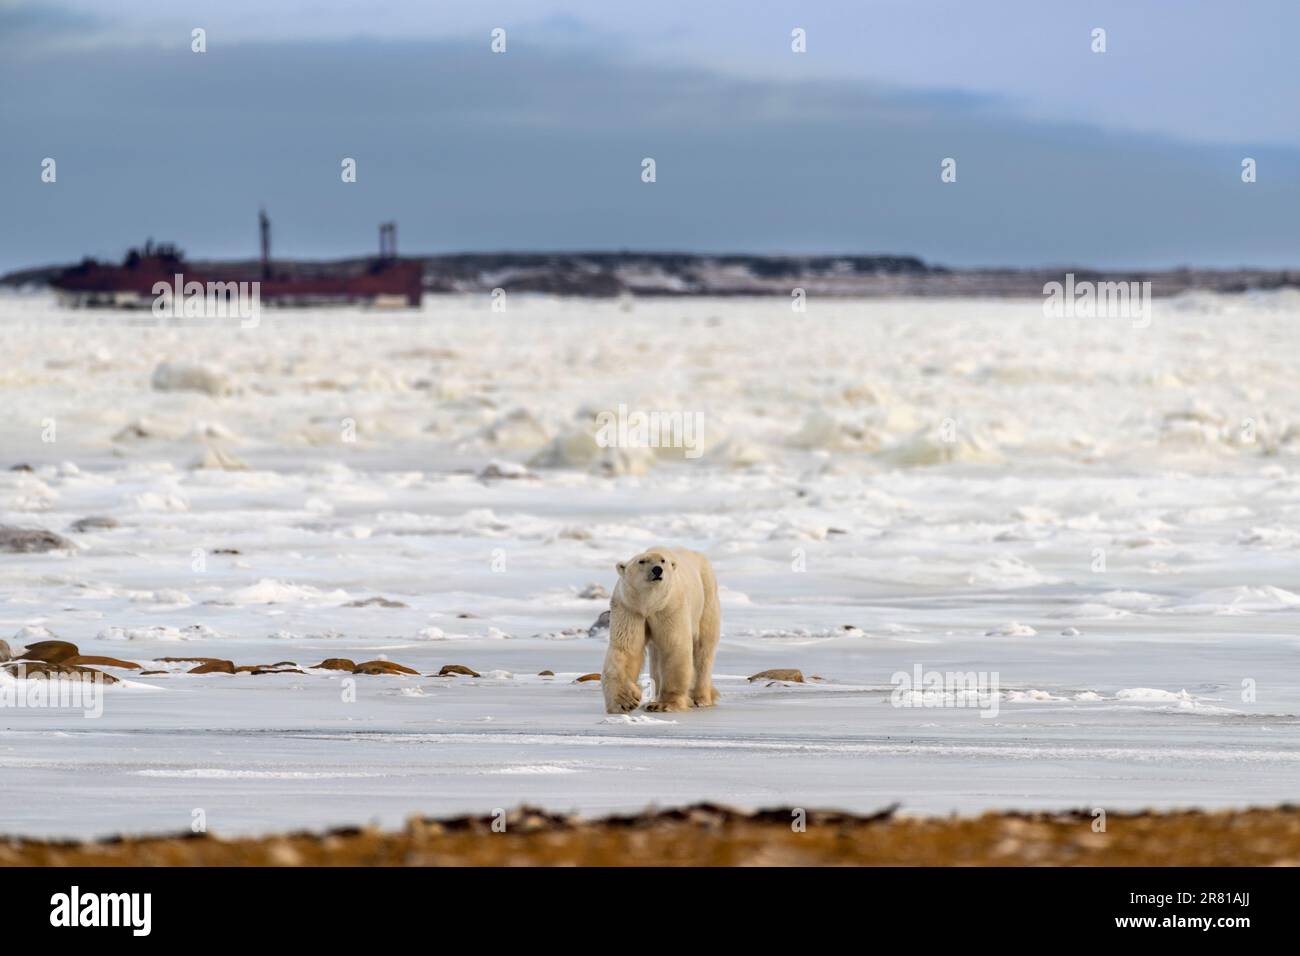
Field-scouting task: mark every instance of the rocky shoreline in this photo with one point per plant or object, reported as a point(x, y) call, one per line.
point(710, 835)
point(63, 660)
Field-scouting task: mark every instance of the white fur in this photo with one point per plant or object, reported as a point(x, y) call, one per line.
point(676, 619)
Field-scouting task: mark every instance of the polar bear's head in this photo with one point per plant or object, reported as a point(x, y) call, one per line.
point(647, 578)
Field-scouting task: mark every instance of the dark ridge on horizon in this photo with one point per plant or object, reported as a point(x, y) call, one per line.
point(625, 272)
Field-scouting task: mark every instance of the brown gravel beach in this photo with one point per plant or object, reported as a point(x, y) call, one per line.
point(707, 835)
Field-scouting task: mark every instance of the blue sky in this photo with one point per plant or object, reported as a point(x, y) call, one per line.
point(1127, 158)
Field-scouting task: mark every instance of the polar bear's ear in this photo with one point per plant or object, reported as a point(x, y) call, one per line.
point(621, 567)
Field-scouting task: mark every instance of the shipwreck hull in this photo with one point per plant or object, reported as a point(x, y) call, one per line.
point(388, 285)
point(385, 281)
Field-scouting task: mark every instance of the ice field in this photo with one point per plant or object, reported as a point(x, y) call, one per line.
point(1101, 519)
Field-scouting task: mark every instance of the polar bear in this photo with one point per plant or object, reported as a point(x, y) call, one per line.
point(666, 600)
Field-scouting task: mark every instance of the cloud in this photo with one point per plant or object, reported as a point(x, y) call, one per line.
point(542, 148)
point(24, 23)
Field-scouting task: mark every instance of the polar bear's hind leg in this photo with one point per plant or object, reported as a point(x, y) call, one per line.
point(703, 693)
point(675, 671)
point(653, 660)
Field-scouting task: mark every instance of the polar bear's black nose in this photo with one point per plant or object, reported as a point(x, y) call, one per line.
point(657, 571)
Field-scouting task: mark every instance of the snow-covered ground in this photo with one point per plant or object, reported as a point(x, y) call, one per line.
point(1100, 517)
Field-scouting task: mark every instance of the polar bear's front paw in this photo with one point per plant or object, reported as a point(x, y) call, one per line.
point(668, 704)
point(623, 700)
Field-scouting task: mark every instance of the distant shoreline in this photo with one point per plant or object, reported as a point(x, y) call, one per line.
point(614, 274)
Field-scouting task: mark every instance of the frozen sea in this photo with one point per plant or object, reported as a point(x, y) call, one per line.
point(1100, 518)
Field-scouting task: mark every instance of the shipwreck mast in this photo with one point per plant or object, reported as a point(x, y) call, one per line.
point(387, 240)
point(264, 227)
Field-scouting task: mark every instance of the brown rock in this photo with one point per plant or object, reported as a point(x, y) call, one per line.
point(47, 670)
point(213, 667)
point(6, 652)
point(153, 673)
point(93, 523)
point(133, 430)
point(382, 667)
point(449, 669)
point(376, 602)
point(190, 660)
point(505, 471)
point(90, 660)
point(52, 652)
point(283, 667)
point(586, 677)
point(31, 540)
point(780, 673)
point(546, 674)
point(336, 664)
